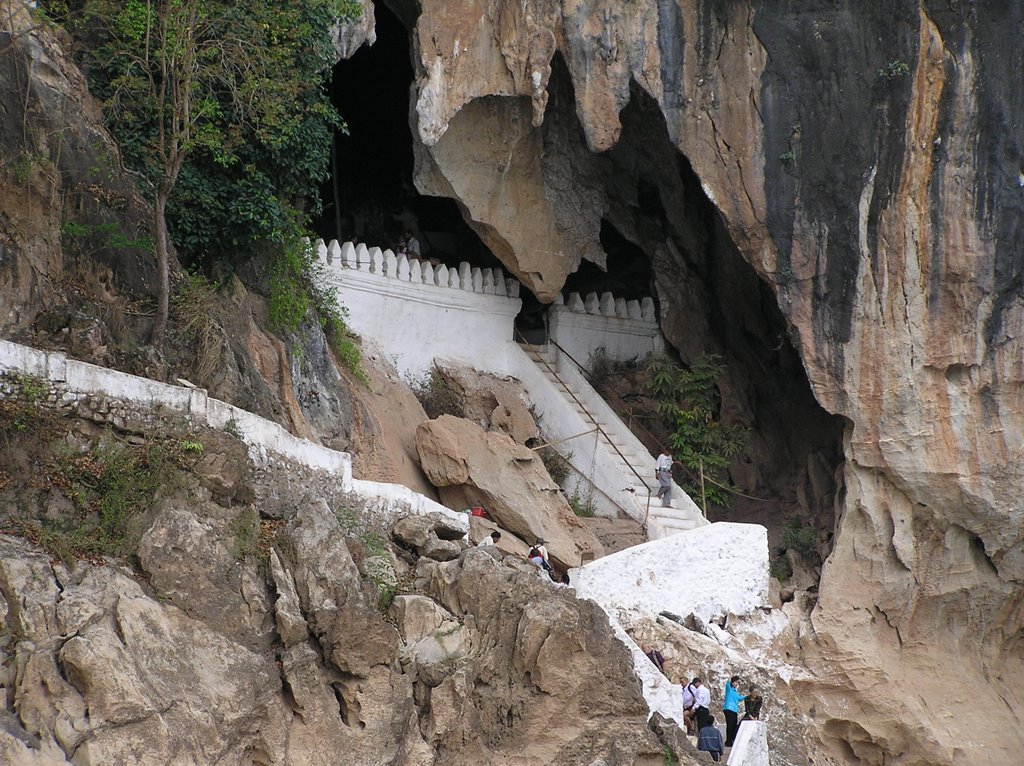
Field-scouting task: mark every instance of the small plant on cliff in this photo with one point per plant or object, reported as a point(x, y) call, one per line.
point(801, 538)
point(582, 505)
point(22, 411)
point(894, 69)
point(195, 308)
point(437, 395)
point(688, 400)
point(558, 465)
point(298, 286)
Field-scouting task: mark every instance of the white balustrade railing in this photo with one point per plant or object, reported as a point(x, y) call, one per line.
point(607, 305)
point(387, 264)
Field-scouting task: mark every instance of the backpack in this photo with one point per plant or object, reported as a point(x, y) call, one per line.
point(533, 553)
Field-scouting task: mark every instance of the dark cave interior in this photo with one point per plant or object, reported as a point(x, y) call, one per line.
point(371, 195)
point(661, 236)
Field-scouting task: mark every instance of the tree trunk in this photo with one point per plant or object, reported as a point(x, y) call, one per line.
point(162, 275)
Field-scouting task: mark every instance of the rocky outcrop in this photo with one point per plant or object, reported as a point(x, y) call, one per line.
point(865, 162)
point(472, 467)
point(264, 619)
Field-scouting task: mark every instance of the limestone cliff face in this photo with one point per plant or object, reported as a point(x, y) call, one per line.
point(868, 164)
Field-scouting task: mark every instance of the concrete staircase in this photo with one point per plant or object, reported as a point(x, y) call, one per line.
point(623, 452)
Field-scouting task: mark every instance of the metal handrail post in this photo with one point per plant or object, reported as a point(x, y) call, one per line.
point(593, 420)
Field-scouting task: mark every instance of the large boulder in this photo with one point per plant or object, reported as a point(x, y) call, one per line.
point(471, 466)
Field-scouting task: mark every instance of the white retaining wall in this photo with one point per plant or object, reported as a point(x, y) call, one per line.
point(619, 329)
point(709, 572)
point(70, 380)
point(413, 312)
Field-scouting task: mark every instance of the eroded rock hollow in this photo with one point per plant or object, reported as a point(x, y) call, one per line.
point(866, 162)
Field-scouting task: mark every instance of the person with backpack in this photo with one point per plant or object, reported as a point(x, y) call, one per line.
point(702, 706)
point(731, 708)
point(539, 547)
point(690, 706)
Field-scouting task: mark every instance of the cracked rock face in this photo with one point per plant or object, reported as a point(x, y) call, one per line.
point(202, 657)
point(866, 163)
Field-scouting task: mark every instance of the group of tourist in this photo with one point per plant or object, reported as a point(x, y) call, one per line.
point(538, 555)
point(699, 720)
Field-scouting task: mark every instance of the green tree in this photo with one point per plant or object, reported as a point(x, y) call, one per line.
point(206, 81)
point(688, 400)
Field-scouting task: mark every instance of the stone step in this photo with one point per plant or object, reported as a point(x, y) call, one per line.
point(680, 524)
point(677, 516)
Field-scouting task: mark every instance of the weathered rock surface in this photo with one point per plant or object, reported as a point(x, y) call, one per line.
point(207, 653)
point(865, 162)
point(476, 467)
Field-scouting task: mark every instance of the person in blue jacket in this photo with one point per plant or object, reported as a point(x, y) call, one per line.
point(731, 708)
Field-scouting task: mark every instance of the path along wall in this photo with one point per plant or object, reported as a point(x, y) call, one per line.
point(124, 400)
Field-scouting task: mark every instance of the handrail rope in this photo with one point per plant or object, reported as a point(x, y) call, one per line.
point(647, 431)
point(563, 458)
point(593, 420)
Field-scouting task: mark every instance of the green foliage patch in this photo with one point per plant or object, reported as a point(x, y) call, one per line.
point(559, 466)
point(298, 285)
point(688, 400)
point(112, 487)
point(437, 395)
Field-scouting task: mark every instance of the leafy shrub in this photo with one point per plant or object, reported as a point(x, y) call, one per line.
point(800, 538)
point(780, 568)
point(558, 465)
point(298, 285)
point(437, 395)
point(688, 400)
point(112, 487)
point(195, 308)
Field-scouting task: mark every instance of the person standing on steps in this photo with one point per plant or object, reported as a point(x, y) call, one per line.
point(731, 708)
point(663, 473)
point(654, 656)
point(690, 706)
point(702, 706)
point(710, 740)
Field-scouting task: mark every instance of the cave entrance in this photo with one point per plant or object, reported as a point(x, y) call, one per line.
point(663, 237)
point(371, 194)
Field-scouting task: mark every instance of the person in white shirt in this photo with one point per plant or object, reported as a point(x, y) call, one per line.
point(663, 473)
point(689, 706)
point(702, 705)
point(539, 547)
point(412, 245)
point(491, 539)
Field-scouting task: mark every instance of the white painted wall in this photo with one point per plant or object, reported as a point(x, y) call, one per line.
point(621, 330)
point(709, 572)
point(413, 313)
point(751, 745)
point(662, 695)
point(70, 378)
